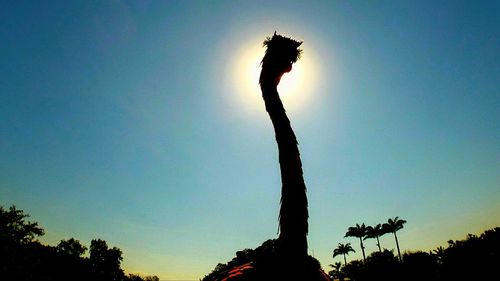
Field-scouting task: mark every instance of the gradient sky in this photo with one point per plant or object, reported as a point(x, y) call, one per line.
point(128, 121)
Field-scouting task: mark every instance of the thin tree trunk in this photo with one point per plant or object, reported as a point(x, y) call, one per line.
point(362, 248)
point(378, 244)
point(397, 245)
point(345, 261)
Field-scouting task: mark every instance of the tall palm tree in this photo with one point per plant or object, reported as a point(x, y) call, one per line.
point(290, 249)
point(375, 232)
point(393, 225)
point(343, 249)
point(358, 231)
point(280, 54)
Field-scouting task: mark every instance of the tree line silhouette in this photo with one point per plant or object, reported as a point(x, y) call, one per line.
point(24, 258)
point(363, 232)
point(474, 258)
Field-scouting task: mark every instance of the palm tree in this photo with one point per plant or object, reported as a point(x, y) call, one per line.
point(439, 253)
point(336, 273)
point(393, 225)
point(358, 231)
point(343, 249)
point(280, 54)
point(375, 232)
point(336, 266)
point(290, 249)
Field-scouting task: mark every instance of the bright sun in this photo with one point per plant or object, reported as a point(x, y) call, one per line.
point(295, 87)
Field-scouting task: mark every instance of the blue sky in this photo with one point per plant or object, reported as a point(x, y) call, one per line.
point(129, 121)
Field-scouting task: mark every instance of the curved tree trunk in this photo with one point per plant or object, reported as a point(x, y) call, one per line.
point(397, 245)
point(293, 213)
point(345, 260)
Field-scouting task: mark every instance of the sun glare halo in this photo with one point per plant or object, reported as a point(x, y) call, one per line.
point(295, 87)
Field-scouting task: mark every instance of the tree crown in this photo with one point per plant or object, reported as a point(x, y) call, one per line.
point(358, 231)
point(15, 227)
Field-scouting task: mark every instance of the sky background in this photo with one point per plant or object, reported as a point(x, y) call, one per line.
point(134, 122)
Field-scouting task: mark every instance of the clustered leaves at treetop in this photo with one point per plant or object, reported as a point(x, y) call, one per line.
point(23, 257)
point(474, 258)
point(282, 46)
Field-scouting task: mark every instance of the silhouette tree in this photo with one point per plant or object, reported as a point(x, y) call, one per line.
point(343, 249)
point(336, 272)
point(381, 266)
point(290, 248)
point(358, 231)
point(104, 261)
point(22, 257)
point(439, 253)
point(393, 225)
point(375, 232)
point(71, 247)
point(14, 226)
point(280, 54)
point(420, 266)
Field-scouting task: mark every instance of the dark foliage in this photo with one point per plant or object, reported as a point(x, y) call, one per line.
point(71, 247)
point(279, 46)
point(420, 266)
point(15, 228)
point(265, 263)
point(23, 258)
point(474, 258)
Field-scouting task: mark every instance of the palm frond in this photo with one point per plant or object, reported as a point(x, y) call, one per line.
point(282, 48)
point(358, 231)
point(393, 225)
